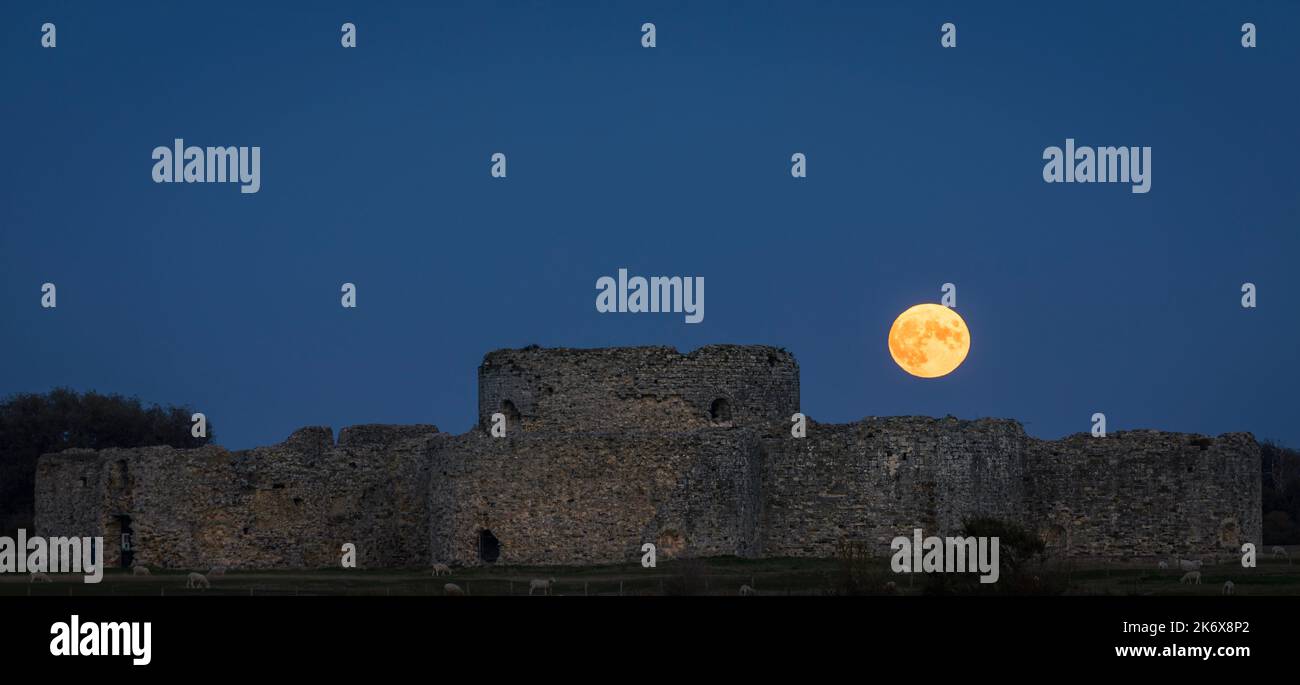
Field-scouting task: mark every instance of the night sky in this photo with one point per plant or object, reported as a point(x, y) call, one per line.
point(924, 167)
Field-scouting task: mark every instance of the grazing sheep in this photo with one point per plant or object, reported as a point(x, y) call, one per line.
point(38, 577)
point(747, 591)
point(1229, 588)
point(891, 587)
point(1192, 577)
point(1186, 565)
point(453, 590)
point(217, 571)
point(539, 584)
point(197, 581)
point(1279, 551)
point(139, 570)
point(1164, 564)
point(441, 570)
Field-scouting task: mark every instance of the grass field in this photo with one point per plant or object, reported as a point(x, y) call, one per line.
point(715, 576)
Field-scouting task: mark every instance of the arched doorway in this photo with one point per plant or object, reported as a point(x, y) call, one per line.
point(489, 548)
point(511, 412)
point(720, 410)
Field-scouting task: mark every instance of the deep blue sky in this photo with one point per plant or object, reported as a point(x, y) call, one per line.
point(924, 167)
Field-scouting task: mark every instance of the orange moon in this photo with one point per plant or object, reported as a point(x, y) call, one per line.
point(929, 340)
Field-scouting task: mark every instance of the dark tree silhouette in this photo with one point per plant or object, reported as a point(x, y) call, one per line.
point(1281, 494)
point(33, 424)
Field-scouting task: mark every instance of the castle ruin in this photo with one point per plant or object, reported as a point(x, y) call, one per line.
point(607, 449)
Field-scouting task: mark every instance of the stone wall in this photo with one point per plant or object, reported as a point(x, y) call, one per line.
point(1130, 494)
point(1146, 493)
point(882, 477)
point(289, 505)
point(614, 448)
point(71, 489)
point(638, 388)
point(595, 498)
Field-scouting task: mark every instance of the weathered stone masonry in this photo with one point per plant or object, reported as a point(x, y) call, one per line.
point(608, 449)
point(290, 505)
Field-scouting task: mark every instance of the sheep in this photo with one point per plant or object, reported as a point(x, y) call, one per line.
point(197, 581)
point(1191, 577)
point(891, 587)
point(1186, 565)
point(453, 590)
point(1229, 588)
point(1164, 564)
point(38, 577)
point(217, 571)
point(1279, 551)
point(747, 591)
point(539, 584)
point(140, 570)
point(441, 570)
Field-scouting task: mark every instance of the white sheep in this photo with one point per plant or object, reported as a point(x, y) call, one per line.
point(38, 577)
point(139, 570)
point(1185, 565)
point(453, 590)
point(1192, 577)
point(747, 591)
point(441, 570)
point(539, 584)
point(1164, 564)
point(217, 571)
point(197, 581)
point(1229, 588)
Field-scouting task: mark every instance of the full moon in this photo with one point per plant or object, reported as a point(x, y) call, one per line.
point(929, 340)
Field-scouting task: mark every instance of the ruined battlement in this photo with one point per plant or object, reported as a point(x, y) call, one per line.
point(611, 449)
point(1144, 492)
point(637, 388)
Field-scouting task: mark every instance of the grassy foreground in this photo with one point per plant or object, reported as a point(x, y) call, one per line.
point(719, 576)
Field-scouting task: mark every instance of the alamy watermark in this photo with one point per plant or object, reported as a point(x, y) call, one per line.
point(194, 164)
point(1102, 165)
point(657, 294)
point(75, 638)
point(946, 555)
point(56, 555)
